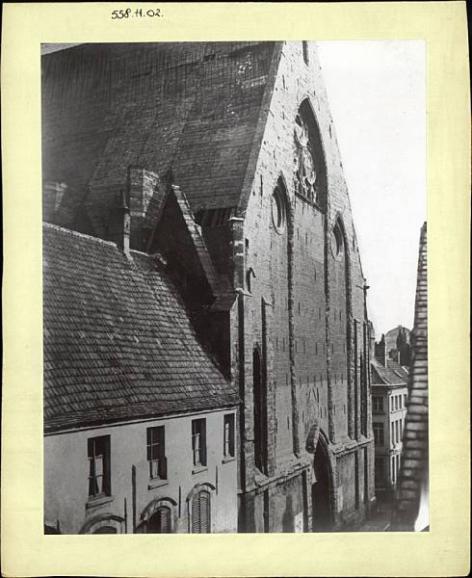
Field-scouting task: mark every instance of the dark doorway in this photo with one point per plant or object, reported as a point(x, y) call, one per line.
point(321, 491)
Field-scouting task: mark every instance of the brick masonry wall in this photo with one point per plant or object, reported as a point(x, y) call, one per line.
point(327, 370)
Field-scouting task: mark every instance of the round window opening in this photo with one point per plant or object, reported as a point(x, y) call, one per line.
point(278, 210)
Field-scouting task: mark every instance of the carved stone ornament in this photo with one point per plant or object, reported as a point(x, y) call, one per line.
point(304, 164)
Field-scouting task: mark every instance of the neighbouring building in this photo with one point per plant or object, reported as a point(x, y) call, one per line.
point(226, 154)
point(411, 510)
point(139, 422)
point(389, 399)
point(397, 345)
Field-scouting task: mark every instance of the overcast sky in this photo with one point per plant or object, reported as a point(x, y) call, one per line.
point(376, 92)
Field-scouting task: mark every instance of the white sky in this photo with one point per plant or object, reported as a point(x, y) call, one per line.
point(376, 92)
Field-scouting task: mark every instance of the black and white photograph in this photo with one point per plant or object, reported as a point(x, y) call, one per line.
point(234, 287)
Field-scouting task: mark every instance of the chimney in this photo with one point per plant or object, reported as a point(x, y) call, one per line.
point(120, 224)
point(380, 352)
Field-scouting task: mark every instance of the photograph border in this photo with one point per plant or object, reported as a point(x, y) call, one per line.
point(443, 550)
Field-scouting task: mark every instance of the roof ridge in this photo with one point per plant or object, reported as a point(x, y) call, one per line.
point(74, 233)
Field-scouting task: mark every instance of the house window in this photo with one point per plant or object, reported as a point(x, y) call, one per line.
point(377, 403)
point(228, 436)
point(199, 442)
point(201, 513)
point(160, 522)
point(156, 453)
point(378, 434)
point(99, 466)
point(393, 471)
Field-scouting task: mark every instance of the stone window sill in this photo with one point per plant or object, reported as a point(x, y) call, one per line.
point(95, 502)
point(157, 483)
point(199, 469)
point(228, 459)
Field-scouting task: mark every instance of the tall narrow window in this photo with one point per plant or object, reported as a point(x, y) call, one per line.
point(378, 434)
point(228, 441)
point(201, 513)
point(156, 453)
point(260, 414)
point(99, 466)
point(377, 403)
point(199, 442)
point(306, 57)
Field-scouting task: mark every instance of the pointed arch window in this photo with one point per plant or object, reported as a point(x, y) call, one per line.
point(309, 161)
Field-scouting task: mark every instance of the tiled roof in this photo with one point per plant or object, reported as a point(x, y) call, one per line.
point(189, 107)
point(414, 465)
point(118, 343)
point(393, 374)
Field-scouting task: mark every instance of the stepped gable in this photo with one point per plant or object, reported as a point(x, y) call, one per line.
point(189, 107)
point(118, 343)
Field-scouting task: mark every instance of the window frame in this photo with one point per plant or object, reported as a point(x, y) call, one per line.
point(379, 433)
point(96, 490)
point(199, 447)
point(377, 404)
point(196, 504)
point(155, 440)
point(229, 450)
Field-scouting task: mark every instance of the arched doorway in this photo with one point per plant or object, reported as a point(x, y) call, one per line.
point(321, 490)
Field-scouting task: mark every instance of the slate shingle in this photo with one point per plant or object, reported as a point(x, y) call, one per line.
point(118, 343)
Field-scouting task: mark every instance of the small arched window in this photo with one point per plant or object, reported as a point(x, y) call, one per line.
point(201, 512)
point(161, 521)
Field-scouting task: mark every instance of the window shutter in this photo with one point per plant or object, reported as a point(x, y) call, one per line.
point(196, 515)
point(201, 519)
point(165, 520)
point(205, 512)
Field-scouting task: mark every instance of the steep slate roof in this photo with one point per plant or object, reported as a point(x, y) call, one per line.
point(393, 374)
point(414, 466)
point(118, 343)
point(192, 107)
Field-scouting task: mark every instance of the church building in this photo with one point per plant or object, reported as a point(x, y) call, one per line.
point(222, 159)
